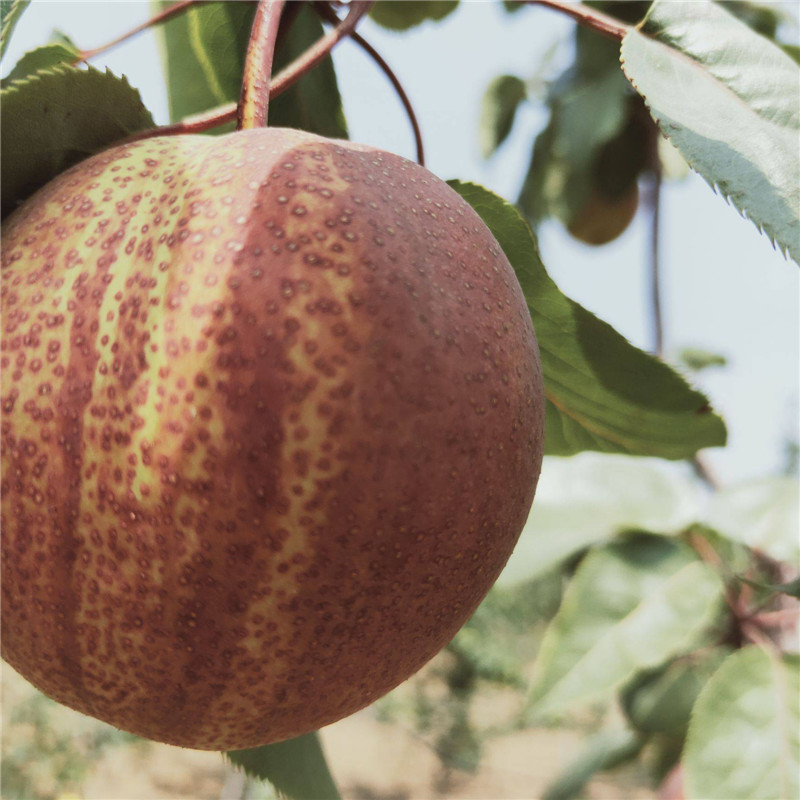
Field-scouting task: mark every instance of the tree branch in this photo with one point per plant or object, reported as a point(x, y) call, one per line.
point(584, 15)
point(654, 206)
point(163, 16)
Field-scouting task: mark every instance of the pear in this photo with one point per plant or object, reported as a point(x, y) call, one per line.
point(272, 423)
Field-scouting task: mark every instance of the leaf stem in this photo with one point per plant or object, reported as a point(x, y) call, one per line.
point(584, 15)
point(257, 74)
point(325, 11)
point(162, 16)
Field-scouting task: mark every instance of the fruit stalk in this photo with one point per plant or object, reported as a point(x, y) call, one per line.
point(254, 99)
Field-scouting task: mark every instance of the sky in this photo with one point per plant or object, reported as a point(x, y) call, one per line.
point(725, 289)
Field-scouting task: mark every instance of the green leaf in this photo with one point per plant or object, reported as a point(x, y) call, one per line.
point(10, 12)
point(592, 497)
point(762, 514)
point(762, 19)
point(296, 768)
point(661, 756)
point(661, 701)
point(793, 51)
point(602, 392)
point(498, 109)
point(792, 588)
point(604, 751)
point(400, 15)
point(203, 51)
point(743, 736)
point(630, 606)
point(727, 99)
point(56, 118)
point(733, 556)
point(512, 5)
point(695, 359)
point(42, 58)
point(559, 178)
point(313, 103)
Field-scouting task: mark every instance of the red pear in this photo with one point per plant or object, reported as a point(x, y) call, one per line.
point(272, 423)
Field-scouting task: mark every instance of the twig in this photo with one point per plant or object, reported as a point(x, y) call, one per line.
point(590, 17)
point(198, 123)
point(705, 473)
point(654, 205)
point(257, 74)
point(322, 47)
point(163, 16)
point(699, 464)
point(708, 554)
point(325, 11)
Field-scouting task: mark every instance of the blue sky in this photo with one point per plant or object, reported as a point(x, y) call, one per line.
point(725, 288)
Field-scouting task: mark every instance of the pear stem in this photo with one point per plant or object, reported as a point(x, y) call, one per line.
point(163, 16)
point(254, 99)
point(325, 11)
point(584, 15)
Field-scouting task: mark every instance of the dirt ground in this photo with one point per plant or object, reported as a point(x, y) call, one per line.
point(370, 760)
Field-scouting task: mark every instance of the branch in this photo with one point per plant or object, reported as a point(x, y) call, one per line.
point(163, 16)
point(325, 11)
point(257, 75)
point(654, 206)
point(322, 47)
point(584, 15)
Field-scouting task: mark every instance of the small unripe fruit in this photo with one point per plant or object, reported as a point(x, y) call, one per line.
point(603, 219)
point(272, 423)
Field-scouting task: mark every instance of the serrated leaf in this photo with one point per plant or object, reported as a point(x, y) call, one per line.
point(605, 750)
point(727, 99)
point(743, 736)
point(400, 15)
point(498, 109)
point(590, 498)
point(763, 514)
point(10, 12)
point(296, 768)
point(602, 393)
point(631, 605)
point(660, 701)
point(54, 119)
point(42, 58)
